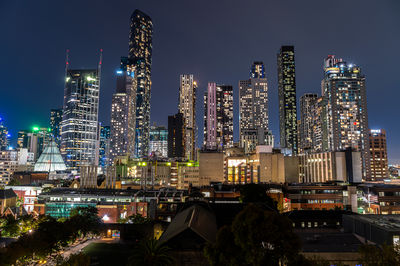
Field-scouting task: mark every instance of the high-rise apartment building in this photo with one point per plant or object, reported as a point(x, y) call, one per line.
point(253, 106)
point(346, 120)
point(55, 122)
point(287, 99)
point(307, 102)
point(378, 151)
point(159, 141)
point(187, 107)
point(80, 118)
point(218, 117)
point(123, 114)
point(140, 54)
point(176, 136)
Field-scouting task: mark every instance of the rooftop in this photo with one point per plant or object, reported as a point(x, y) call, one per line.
point(388, 222)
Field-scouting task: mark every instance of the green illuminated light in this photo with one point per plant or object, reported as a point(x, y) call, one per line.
point(35, 128)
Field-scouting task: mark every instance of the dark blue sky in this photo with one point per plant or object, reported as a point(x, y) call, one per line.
point(216, 40)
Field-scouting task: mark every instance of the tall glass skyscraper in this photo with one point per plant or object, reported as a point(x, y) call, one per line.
point(104, 146)
point(346, 119)
point(218, 117)
point(140, 53)
point(80, 118)
point(187, 107)
point(287, 99)
point(4, 136)
point(55, 122)
point(123, 114)
point(253, 109)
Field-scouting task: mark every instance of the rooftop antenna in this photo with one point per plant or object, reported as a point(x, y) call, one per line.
point(66, 62)
point(100, 62)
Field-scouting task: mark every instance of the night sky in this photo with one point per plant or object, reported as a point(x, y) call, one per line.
point(215, 40)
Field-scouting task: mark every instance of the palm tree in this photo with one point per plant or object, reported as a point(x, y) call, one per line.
point(151, 252)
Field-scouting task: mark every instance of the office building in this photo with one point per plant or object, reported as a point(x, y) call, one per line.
point(4, 136)
point(378, 154)
point(140, 57)
point(37, 140)
point(253, 103)
point(80, 118)
point(307, 102)
point(346, 119)
point(218, 117)
point(104, 147)
point(176, 136)
point(123, 114)
point(323, 167)
point(187, 107)
point(287, 98)
point(159, 141)
point(55, 122)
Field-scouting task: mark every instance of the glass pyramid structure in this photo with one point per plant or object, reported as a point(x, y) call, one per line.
point(50, 160)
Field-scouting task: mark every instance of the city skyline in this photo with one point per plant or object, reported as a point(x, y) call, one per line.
point(166, 87)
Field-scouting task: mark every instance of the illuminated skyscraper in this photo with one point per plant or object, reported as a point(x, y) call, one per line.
point(346, 119)
point(4, 136)
point(378, 151)
point(287, 99)
point(123, 114)
point(218, 117)
point(253, 109)
point(307, 102)
point(55, 121)
point(80, 118)
point(104, 147)
point(187, 107)
point(176, 136)
point(159, 141)
point(140, 54)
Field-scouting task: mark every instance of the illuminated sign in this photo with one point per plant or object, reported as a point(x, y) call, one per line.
point(330, 70)
point(375, 131)
point(236, 162)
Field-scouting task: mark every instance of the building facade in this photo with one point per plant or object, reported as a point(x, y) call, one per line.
point(4, 136)
point(218, 117)
point(104, 147)
point(253, 102)
point(140, 57)
point(307, 102)
point(123, 114)
point(187, 107)
point(378, 154)
point(287, 98)
point(159, 141)
point(80, 118)
point(342, 166)
point(346, 119)
point(55, 122)
point(176, 136)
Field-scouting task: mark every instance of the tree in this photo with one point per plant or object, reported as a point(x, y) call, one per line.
point(152, 252)
point(373, 255)
point(84, 220)
point(256, 237)
point(255, 193)
point(138, 219)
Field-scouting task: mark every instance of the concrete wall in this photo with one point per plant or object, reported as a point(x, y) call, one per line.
point(211, 167)
point(291, 169)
